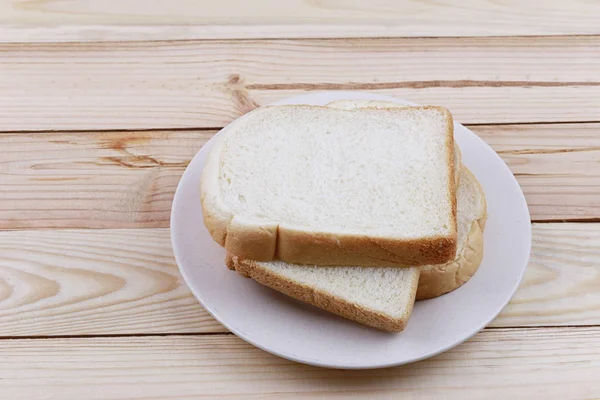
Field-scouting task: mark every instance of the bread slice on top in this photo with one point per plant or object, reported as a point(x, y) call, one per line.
point(353, 104)
point(380, 297)
point(317, 185)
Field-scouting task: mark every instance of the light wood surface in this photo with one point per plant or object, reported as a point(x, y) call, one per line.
point(88, 282)
point(199, 84)
point(125, 281)
point(92, 179)
point(295, 18)
point(128, 179)
point(104, 103)
point(505, 363)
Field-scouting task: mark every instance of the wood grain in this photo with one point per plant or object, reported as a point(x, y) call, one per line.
point(269, 18)
point(516, 363)
point(198, 84)
point(562, 283)
point(556, 165)
point(128, 179)
point(94, 282)
point(125, 281)
point(92, 179)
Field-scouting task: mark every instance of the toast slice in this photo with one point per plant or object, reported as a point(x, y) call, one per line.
point(381, 297)
point(317, 185)
point(349, 104)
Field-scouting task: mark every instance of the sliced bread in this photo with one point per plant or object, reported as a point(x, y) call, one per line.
point(436, 280)
point(317, 185)
point(362, 103)
point(380, 297)
point(377, 296)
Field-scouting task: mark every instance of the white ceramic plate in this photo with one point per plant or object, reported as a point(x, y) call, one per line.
point(287, 328)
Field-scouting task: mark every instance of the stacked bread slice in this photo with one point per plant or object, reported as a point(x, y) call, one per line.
point(358, 208)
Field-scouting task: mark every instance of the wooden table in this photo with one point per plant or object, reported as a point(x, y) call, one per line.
point(103, 104)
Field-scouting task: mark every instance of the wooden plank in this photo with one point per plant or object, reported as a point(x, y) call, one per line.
point(562, 283)
point(93, 180)
point(274, 19)
point(128, 179)
point(93, 282)
point(518, 363)
point(192, 84)
point(556, 165)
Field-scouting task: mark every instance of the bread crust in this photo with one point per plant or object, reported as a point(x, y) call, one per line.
point(452, 182)
point(323, 300)
point(437, 280)
point(307, 247)
point(265, 240)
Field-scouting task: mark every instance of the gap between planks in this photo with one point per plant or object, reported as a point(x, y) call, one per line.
point(187, 334)
point(116, 335)
point(38, 39)
point(218, 128)
point(584, 221)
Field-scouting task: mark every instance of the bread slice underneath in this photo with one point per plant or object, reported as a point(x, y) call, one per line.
point(376, 296)
point(436, 280)
point(380, 297)
point(317, 185)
